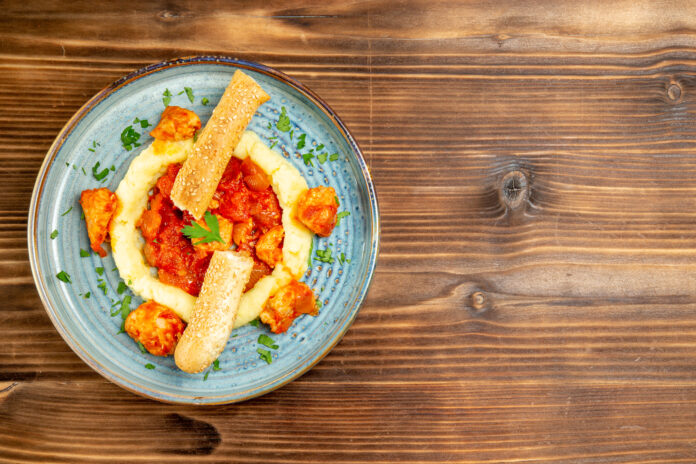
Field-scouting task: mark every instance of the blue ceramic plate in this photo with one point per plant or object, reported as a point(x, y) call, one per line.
point(93, 135)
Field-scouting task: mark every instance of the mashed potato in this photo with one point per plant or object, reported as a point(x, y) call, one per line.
point(127, 242)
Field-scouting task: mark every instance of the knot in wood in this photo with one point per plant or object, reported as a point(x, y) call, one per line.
point(514, 189)
point(479, 302)
point(674, 91)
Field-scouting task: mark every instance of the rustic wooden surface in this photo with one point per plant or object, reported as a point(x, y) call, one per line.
point(556, 324)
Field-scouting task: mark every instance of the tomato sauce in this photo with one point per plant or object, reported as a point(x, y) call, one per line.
point(244, 196)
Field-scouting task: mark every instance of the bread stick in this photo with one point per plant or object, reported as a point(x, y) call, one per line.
point(214, 312)
point(198, 178)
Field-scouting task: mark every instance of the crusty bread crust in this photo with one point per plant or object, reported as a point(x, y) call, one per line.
point(213, 314)
point(198, 178)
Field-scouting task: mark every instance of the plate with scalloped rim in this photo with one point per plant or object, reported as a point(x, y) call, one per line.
point(94, 134)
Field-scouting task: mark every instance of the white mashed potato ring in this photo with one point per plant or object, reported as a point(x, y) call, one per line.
point(127, 242)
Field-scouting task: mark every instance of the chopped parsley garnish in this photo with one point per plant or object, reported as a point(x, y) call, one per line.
point(91, 149)
point(121, 287)
point(269, 126)
point(142, 348)
point(84, 253)
point(112, 168)
point(195, 136)
point(125, 307)
point(283, 123)
point(340, 215)
point(83, 171)
point(99, 175)
point(342, 258)
point(189, 93)
point(129, 138)
point(100, 270)
point(103, 287)
point(212, 234)
point(324, 256)
point(338, 203)
point(143, 123)
point(215, 367)
point(254, 323)
point(311, 248)
point(149, 366)
point(82, 215)
point(54, 234)
point(167, 97)
point(319, 304)
point(275, 142)
point(69, 209)
point(301, 141)
point(307, 158)
point(265, 355)
point(265, 340)
point(320, 147)
point(322, 157)
point(64, 277)
point(87, 295)
point(333, 157)
point(291, 133)
point(205, 101)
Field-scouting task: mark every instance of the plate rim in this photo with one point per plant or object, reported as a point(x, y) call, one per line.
point(64, 133)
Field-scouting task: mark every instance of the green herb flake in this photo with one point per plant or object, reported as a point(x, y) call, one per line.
point(322, 158)
point(342, 258)
point(205, 101)
point(216, 365)
point(307, 158)
point(320, 147)
point(265, 340)
point(311, 248)
point(64, 277)
point(291, 133)
point(69, 209)
point(341, 215)
point(274, 144)
point(301, 141)
point(195, 137)
point(129, 137)
point(91, 149)
point(319, 304)
point(269, 126)
point(112, 168)
point(207, 373)
point(83, 171)
point(102, 286)
point(87, 295)
point(254, 323)
point(283, 123)
point(167, 97)
point(99, 175)
point(144, 123)
point(265, 355)
point(338, 203)
point(333, 157)
point(121, 288)
point(100, 270)
point(125, 307)
point(212, 234)
point(324, 256)
point(149, 366)
point(189, 93)
point(84, 253)
point(142, 348)
point(82, 215)
point(54, 234)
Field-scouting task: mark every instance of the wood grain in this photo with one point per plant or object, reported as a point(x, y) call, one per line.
point(558, 329)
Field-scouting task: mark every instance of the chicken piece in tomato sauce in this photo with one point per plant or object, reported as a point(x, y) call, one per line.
point(99, 206)
point(156, 326)
point(317, 209)
point(289, 302)
point(176, 123)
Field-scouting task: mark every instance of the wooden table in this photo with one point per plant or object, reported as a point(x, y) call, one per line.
point(535, 297)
